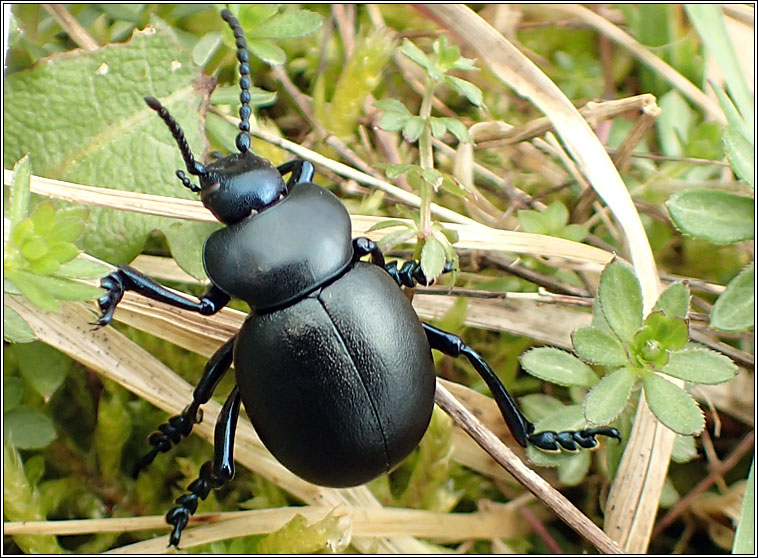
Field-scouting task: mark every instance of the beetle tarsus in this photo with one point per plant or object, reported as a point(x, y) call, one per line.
point(213, 474)
point(571, 440)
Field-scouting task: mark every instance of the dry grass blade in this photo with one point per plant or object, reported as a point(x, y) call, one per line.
point(491, 522)
point(471, 236)
point(633, 501)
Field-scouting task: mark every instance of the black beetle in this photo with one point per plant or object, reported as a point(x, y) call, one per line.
point(333, 365)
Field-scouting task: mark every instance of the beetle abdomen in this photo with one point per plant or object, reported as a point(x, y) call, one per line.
point(339, 386)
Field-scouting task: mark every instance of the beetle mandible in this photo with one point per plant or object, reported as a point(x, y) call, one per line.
point(333, 365)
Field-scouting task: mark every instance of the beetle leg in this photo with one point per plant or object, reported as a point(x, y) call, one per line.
point(521, 428)
point(302, 171)
point(408, 274)
point(213, 474)
point(179, 426)
point(126, 278)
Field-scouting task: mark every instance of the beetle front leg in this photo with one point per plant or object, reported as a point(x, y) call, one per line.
point(408, 274)
point(302, 171)
point(127, 278)
point(213, 474)
point(179, 426)
point(521, 428)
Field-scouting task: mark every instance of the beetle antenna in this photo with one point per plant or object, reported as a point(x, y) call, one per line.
point(243, 138)
point(192, 166)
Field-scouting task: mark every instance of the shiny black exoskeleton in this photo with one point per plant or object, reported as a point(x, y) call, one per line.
point(333, 365)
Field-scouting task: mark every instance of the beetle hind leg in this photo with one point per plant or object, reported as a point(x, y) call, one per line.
point(521, 428)
point(213, 474)
point(177, 427)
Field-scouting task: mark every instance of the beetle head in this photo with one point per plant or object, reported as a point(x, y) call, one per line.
point(239, 186)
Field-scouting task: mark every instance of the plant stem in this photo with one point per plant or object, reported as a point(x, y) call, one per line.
point(426, 158)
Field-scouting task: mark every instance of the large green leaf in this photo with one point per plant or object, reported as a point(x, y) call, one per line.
point(735, 308)
point(717, 216)
point(97, 130)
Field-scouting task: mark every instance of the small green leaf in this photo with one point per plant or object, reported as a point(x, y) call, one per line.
point(413, 128)
point(673, 406)
point(740, 154)
point(82, 268)
point(392, 105)
point(20, 192)
point(598, 347)
point(465, 88)
point(394, 121)
point(458, 129)
point(28, 285)
point(432, 258)
point(555, 216)
point(415, 54)
point(573, 231)
point(735, 308)
point(438, 127)
point(387, 223)
point(13, 391)
point(63, 251)
point(34, 248)
point(288, 25)
point(532, 221)
point(43, 367)
point(28, 428)
point(658, 335)
point(65, 289)
point(674, 301)
point(674, 123)
point(267, 51)
point(68, 229)
point(559, 367)
point(717, 216)
point(608, 398)
point(700, 365)
point(43, 217)
point(15, 328)
point(620, 298)
point(684, 449)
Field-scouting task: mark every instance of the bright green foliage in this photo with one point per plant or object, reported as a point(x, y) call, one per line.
point(717, 216)
point(21, 502)
point(435, 245)
point(620, 298)
point(263, 22)
point(112, 431)
point(428, 487)
point(735, 308)
point(553, 221)
point(597, 346)
point(558, 367)
point(673, 406)
point(674, 301)
point(609, 397)
point(361, 75)
point(632, 350)
point(38, 255)
point(298, 537)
